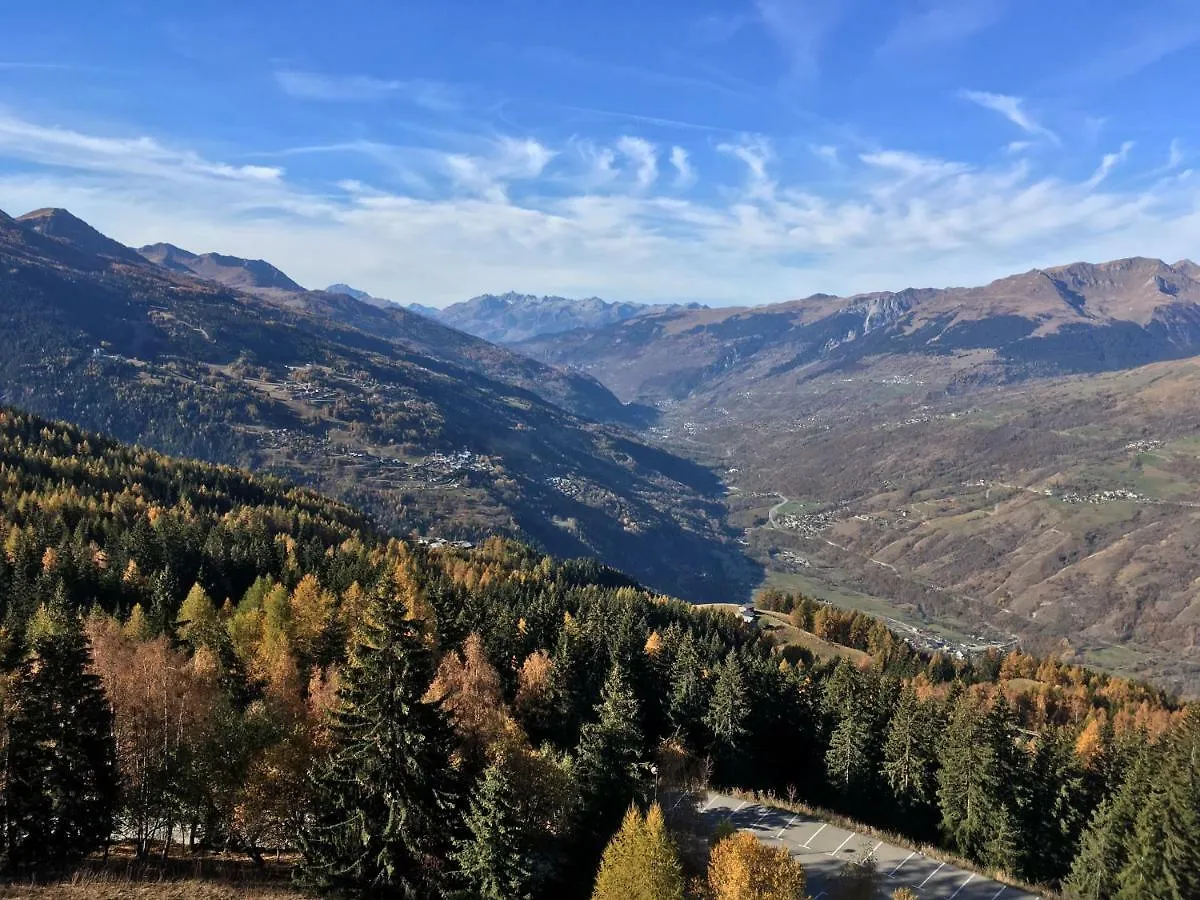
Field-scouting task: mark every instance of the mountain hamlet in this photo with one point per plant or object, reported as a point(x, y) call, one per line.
point(482, 601)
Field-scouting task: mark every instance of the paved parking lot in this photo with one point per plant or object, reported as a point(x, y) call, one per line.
point(823, 848)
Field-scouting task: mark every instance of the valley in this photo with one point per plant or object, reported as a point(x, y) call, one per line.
point(959, 491)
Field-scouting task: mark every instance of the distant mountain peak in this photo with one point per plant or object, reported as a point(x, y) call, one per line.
point(512, 316)
point(53, 222)
point(231, 271)
point(362, 296)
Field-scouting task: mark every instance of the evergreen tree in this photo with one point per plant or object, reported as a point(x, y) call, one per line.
point(689, 692)
point(910, 758)
point(59, 782)
point(385, 800)
point(727, 714)
point(494, 860)
point(1164, 861)
point(606, 760)
point(1052, 813)
point(976, 782)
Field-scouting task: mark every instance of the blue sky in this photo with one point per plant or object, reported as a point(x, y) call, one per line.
point(727, 152)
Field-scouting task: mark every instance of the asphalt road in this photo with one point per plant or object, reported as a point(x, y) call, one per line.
point(822, 849)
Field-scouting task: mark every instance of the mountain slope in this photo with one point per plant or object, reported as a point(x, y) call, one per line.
point(253, 275)
point(1019, 456)
point(1077, 318)
point(191, 367)
point(573, 391)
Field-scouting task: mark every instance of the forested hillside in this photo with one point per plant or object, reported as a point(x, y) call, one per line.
point(430, 430)
point(196, 655)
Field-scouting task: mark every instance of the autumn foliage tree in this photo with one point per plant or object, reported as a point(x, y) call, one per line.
point(741, 867)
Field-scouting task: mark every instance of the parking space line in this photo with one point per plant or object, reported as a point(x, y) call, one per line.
point(787, 826)
point(843, 844)
point(813, 835)
point(875, 849)
point(930, 875)
point(739, 806)
point(970, 878)
point(892, 874)
point(996, 895)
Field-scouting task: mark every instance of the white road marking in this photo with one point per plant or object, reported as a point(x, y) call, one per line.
point(813, 835)
point(787, 826)
point(999, 892)
point(892, 874)
point(970, 878)
point(739, 807)
point(707, 804)
point(843, 844)
point(930, 875)
point(875, 849)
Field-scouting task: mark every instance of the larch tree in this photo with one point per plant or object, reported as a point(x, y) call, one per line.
point(641, 861)
point(741, 867)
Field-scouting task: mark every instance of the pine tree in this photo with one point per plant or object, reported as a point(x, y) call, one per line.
point(976, 782)
point(640, 862)
point(1052, 813)
point(609, 749)
point(59, 783)
point(727, 714)
point(494, 860)
point(910, 757)
point(689, 692)
point(1164, 861)
point(385, 800)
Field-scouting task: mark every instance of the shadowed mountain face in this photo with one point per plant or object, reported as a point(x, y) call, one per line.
point(1077, 318)
point(352, 399)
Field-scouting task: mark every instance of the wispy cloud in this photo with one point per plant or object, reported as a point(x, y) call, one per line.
point(509, 160)
point(9, 64)
point(522, 211)
point(49, 146)
point(1013, 109)
point(1109, 162)
point(1175, 155)
point(940, 22)
point(800, 28)
point(431, 95)
point(827, 152)
point(685, 175)
point(716, 28)
point(912, 165)
point(643, 155)
point(756, 152)
point(1145, 40)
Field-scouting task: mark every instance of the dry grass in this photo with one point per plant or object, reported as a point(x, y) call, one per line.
point(167, 890)
point(185, 876)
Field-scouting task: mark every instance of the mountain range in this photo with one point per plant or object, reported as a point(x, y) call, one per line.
point(1076, 318)
point(428, 429)
point(512, 317)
